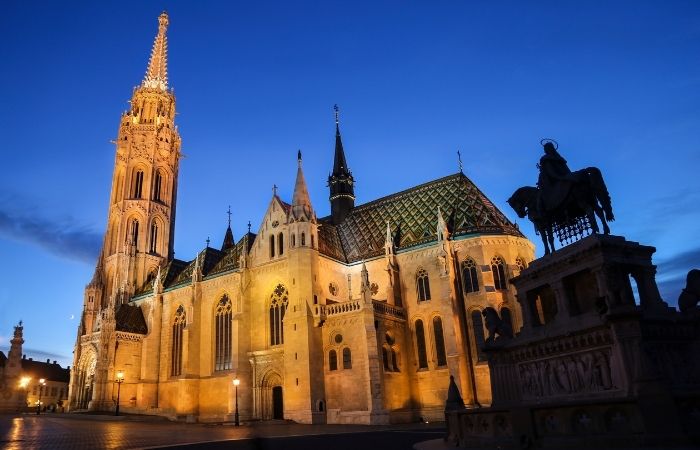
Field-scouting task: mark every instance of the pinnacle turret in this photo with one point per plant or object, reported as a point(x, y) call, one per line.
point(157, 72)
point(301, 202)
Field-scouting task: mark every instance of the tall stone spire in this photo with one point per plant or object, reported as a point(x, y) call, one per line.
point(157, 72)
point(301, 202)
point(341, 182)
point(228, 237)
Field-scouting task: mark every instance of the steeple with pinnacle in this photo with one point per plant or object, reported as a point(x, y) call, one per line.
point(301, 202)
point(228, 238)
point(141, 218)
point(340, 182)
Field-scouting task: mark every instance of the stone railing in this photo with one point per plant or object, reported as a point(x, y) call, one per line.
point(386, 309)
point(344, 307)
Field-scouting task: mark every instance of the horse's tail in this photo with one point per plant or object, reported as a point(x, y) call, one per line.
point(601, 191)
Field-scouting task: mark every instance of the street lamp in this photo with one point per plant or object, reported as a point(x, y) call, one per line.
point(236, 382)
point(119, 381)
point(42, 383)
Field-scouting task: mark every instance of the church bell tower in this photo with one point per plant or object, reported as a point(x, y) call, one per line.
point(141, 221)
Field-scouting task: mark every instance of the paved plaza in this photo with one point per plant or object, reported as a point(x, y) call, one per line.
point(64, 431)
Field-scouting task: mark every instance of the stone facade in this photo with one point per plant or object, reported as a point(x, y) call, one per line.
point(358, 317)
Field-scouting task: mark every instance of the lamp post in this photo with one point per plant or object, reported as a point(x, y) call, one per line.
point(119, 381)
point(24, 384)
point(236, 382)
point(42, 383)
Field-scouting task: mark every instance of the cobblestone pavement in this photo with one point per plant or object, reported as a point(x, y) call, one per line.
point(57, 432)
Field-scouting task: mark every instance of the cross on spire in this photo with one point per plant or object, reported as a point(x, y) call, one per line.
point(459, 158)
point(337, 113)
point(229, 215)
point(274, 189)
point(249, 226)
point(208, 241)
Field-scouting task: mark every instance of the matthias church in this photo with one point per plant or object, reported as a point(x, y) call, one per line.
point(361, 316)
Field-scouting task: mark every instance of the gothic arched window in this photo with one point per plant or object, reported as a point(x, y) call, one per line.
point(134, 232)
point(385, 357)
point(469, 276)
point(303, 239)
point(332, 360)
point(272, 246)
point(280, 244)
point(439, 342)
point(157, 186)
point(423, 284)
point(154, 238)
point(223, 317)
point(347, 358)
point(420, 344)
point(478, 327)
point(138, 184)
point(499, 272)
point(294, 240)
point(176, 349)
point(278, 305)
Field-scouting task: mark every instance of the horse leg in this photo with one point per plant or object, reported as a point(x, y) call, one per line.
point(543, 233)
point(601, 215)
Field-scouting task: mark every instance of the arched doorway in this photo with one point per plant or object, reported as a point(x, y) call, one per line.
point(271, 396)
point(85, 379)
point(277, 403)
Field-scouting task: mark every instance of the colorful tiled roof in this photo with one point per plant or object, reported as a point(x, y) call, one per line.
point(412, 215)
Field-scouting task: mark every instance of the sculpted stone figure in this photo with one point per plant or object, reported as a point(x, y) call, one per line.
point(690, 296)
point(495, 325)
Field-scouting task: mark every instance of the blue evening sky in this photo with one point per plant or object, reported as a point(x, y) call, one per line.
point(615, 83)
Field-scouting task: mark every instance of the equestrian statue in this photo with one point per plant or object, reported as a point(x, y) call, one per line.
point(564, 203)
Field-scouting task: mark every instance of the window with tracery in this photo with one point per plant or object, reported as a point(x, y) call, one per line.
point(478, 328)
point(439, 342)
point(134, 232)
point(223, 318)
point(420, 345)
point(157, 186)
point(470, 279)
point(520, 263)
point(423, 285)
point(138, 184)
point(499, 272)
point(278, 306)
point(154, 238)
point(176, 349)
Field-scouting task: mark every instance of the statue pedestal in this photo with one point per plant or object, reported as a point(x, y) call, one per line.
point(601, 358)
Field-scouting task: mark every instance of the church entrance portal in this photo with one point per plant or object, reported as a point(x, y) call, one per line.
point(277, 403)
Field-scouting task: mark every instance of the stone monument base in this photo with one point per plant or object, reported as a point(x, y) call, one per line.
point(597, 362)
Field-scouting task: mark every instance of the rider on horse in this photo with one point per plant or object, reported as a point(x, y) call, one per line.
point(555, 178)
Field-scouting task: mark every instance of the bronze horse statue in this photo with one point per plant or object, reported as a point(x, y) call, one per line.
point(562, 198)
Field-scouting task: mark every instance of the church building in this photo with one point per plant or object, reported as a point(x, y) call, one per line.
point(361, 316)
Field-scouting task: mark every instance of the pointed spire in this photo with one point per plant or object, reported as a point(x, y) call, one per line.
point(301, 202)
point(229, 242)
point(157, 72)
point(340, 166)
point(340, 181)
